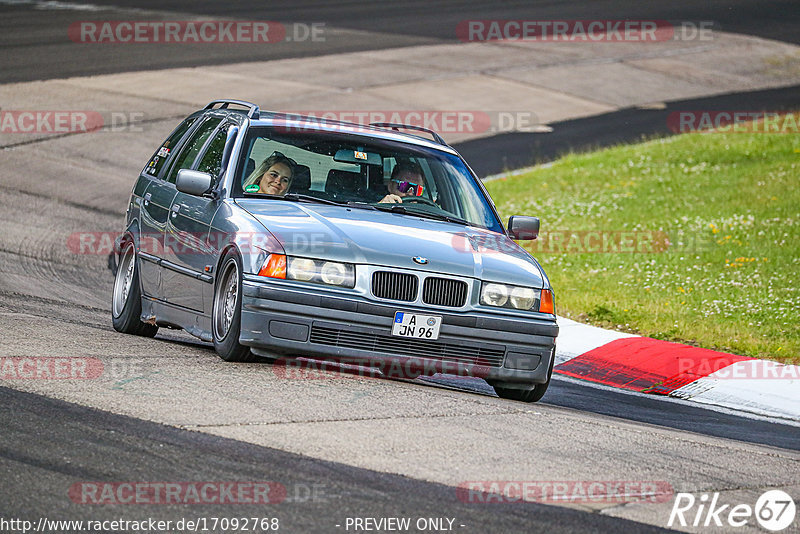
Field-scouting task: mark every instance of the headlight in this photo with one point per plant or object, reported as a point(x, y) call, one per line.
point(309, 270)
point(523, 298)
point(494, 294)
point(333, 273)
point(301, 269)
point(517, 297)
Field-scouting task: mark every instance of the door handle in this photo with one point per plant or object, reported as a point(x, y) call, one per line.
point(147, 197)
point(175, 209)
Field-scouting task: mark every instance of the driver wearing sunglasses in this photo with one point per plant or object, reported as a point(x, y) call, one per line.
point(406, 181)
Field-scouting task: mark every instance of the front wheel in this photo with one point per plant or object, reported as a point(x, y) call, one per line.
point(226, 314)
point(126, 301)
point(523, 395)
point(528, 395)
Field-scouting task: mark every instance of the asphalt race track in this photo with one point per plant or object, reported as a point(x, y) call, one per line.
point(319, 495)
point(343, 446)
point(36, 48)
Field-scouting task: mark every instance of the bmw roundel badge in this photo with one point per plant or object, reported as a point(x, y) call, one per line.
point(420, 260)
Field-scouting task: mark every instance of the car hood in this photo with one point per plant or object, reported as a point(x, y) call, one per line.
point(374, 237)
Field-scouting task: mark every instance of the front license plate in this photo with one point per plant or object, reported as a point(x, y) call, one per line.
point(416, 325)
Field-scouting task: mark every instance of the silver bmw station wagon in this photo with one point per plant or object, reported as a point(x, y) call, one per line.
point(288, 237)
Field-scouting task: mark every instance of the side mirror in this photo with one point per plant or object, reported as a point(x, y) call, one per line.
point(193, 182)
point(522, 227)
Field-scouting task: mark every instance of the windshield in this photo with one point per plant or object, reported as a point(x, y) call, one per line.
point(369, 173)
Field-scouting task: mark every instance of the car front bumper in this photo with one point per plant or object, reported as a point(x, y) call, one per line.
point(503, 350)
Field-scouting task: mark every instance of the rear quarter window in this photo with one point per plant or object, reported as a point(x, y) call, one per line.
point(156, 163)
point(192, 147)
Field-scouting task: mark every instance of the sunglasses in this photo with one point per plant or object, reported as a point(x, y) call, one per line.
point(405, 187)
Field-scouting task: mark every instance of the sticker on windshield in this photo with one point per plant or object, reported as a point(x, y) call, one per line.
point(252, 188)
point(360, 155)
point(163, 152)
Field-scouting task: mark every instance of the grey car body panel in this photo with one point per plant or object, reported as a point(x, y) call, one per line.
point(186, 248)
point(155, 205)
point(392, 239)
point(260, 310)
point(233, 226)
point(179, 275)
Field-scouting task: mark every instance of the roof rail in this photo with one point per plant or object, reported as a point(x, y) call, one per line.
point(253, 111)
point(396, 127)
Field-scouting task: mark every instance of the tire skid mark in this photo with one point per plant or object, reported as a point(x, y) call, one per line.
point(34, 257)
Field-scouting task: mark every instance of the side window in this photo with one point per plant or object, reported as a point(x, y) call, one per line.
point(192, 148)
point(211, 161)
point(156, 163)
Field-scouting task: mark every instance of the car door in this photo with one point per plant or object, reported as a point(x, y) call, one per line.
point(155, 202)
point(187, 267)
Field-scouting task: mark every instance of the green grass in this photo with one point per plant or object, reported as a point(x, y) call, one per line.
point(728, 203)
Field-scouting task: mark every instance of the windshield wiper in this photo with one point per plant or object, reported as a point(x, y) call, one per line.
point(311, 198)
point(362, 205)
point(398, 208)
point(295, 197)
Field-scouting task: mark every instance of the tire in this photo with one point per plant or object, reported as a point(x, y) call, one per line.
point(126, 299)
point(226, 311)
point(528, 395)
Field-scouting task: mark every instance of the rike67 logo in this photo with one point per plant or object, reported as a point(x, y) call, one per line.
point(774, 510)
